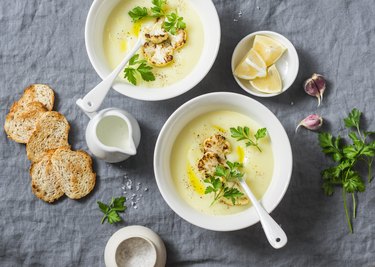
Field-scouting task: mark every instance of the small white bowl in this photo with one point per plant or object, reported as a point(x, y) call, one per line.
point(282, 155)
point(95, 23)
point(287, 65)
point(157, 255)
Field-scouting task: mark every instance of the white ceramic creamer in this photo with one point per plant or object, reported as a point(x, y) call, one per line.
point(112, 135)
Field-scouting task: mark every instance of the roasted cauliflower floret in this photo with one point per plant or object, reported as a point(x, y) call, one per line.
point(158, 54)
point(207, 164)
point(157, 34)
point(215, 149)
point(216, 144)
point(179, 39)
point(160, 45)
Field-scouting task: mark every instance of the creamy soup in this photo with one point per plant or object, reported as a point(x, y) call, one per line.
point(120, 35)
point(187, 150)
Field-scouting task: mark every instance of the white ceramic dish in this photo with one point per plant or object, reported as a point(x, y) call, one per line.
point(287, 65)
point(135, 231)
point(96, 19)
point(282, 154)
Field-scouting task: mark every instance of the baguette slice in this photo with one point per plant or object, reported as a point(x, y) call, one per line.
point(20, 124)
point(51, 132)
point(45, 181)
point(38, 93)
point(75, 170)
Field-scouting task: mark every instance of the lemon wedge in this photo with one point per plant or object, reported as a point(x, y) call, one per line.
point(251, 66)
point(270, 84)
point(269, 49)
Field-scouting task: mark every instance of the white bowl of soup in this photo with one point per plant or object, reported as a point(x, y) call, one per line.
point(110, 33)
point(181, 146)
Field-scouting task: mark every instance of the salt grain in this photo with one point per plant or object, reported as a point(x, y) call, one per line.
point(129, 188)
point(129, 184)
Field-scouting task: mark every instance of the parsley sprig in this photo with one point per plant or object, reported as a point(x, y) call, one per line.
point(243, 133)
point(157, 11)
point(138, 68)
point(111, 211)
point(347, 157)
point(173, 23)
point(217, 183)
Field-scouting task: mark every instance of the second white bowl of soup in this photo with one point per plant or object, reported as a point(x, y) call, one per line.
point(111, 32)
point(200, 136)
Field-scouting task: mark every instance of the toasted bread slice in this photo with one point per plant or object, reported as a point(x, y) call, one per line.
point(21, 122)
point(38, 93)
point(51, 132)
point(75, 170)
point(45, 181)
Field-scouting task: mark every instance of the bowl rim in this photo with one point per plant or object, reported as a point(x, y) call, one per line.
point(171, 200)
point(170, 91)
point(294, 54)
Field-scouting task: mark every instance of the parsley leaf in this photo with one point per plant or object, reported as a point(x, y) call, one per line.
point(138, 13)
point(232, 194)
point(173, 23)
point(157, 10)
point(328, 188)
point(330, 145)
point(243, 133)
point(111, 211)
point(146, 72)
point(138, 67)
point(353, 119)
point(261, 133)
point(129, 73)
point(353, 182)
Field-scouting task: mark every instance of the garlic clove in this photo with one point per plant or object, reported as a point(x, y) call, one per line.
point(312, 122)
point(311, 89)
point(320, 83)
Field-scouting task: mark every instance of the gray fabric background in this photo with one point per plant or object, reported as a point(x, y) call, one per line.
point(43, 41)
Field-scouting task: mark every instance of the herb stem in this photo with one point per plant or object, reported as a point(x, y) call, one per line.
point(369, 176)
point(359, 133)
point(346, 211)
point(217, 196)
point(354, 206)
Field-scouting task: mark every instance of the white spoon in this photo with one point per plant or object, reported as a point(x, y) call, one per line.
point(274, 233)
point(92, 101)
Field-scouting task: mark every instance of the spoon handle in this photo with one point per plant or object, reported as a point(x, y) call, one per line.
point(93, 99)
point(274, 233)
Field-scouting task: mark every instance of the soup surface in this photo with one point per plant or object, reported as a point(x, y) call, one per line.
point(187, 150)
point(120, 35)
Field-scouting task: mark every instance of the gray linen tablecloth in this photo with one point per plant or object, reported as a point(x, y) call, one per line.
point(42, 41)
